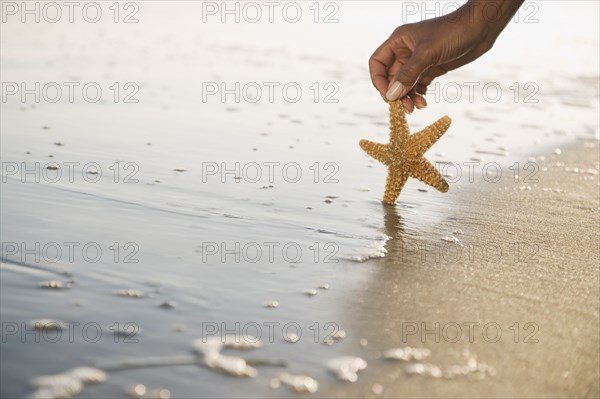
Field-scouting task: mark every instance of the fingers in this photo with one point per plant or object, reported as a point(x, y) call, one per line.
point(379, 64)
point(421, 86)
point(408, 104)
point(413, 100)
point(407, 76)
point(418, 100)
point(379, 76)
point(395, 76)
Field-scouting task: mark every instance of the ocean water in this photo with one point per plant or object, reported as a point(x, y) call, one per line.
point(213, 166)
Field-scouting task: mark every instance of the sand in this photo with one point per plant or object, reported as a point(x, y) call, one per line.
point(553, 284)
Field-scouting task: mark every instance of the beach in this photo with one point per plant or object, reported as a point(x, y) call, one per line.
point(521, 292)
point(185, 207)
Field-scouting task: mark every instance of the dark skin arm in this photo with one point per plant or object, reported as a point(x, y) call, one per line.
point(415, 54)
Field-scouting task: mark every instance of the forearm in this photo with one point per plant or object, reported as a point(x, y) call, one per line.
point(492, 16)
point(417, 53)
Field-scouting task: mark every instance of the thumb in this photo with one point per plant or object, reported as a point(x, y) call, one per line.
point(406, 78)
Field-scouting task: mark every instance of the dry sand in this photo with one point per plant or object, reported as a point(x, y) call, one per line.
point(553, 284)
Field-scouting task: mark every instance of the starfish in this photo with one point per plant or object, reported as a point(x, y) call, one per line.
point(403, 155)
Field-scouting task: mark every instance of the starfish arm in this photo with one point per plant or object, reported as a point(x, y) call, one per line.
point(398, 124)
point(420, 142)
point(404, 153)
point(378, 151)
point(427, 173)
point(395, 183)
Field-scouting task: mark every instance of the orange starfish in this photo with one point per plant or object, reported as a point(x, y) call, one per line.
point(403, 155)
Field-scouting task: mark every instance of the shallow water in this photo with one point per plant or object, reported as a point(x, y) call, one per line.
point(219, 208)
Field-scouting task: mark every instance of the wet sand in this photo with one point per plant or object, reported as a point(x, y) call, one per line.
point(552, 283)
point(421, 295)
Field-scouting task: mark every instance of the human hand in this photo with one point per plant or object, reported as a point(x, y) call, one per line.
point(415, 54)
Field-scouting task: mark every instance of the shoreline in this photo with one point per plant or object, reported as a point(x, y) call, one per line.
point(543, 302)
point(537, 286)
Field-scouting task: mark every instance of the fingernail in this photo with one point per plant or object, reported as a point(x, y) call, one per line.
point(394, 91)
point(420, 106)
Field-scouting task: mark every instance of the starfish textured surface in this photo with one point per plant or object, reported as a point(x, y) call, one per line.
point(403, 155)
